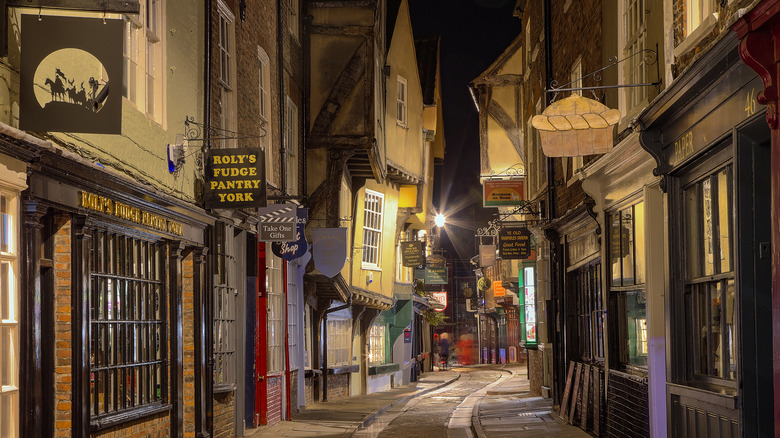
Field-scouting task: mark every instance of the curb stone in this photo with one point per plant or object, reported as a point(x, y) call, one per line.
point(476, 426)
point(368, 419)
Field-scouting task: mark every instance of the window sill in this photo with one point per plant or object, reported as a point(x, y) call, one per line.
point(345, 369)
point(713, 394)
point(222, 389)
point(374, 268)
point(102, 423)
point(696, 36)
point(375, 370)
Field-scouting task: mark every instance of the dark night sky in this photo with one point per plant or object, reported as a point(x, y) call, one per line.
point(473, 34)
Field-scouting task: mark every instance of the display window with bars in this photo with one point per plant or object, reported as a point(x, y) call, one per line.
point(339, 341)
point(627, 292)
point(710, 294)
point(376, 344)
point(276, 307)
point(372, 228)
point(128, 324)
point(585, 289)
point(225, 297)
point(9, 315)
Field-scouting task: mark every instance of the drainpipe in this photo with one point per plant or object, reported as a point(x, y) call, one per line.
point(282, 100)
point(324, 365)
point(206, 391)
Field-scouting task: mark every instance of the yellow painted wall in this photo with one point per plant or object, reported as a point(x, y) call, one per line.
point(383, 277)
point(404, 144)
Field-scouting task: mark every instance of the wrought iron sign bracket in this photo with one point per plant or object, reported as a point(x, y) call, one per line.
point(650, 58)
point(194, 131)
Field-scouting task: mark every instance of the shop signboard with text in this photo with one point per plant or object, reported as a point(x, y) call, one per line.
point(503, 192)
point(235, 178)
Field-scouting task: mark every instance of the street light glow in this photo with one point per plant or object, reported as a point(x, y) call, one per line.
point(440, 220)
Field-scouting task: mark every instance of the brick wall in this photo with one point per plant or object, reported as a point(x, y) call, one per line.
point(294, 391)
point(338, 386)
point(274, 414)
point(224, 405)
point(309, 394)
point(188, 333)
point(62, 310)
point(157, 426)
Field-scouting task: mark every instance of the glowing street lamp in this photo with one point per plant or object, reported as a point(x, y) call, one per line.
point(440, 220)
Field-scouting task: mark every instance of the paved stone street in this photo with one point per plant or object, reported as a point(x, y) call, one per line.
point(483, 401)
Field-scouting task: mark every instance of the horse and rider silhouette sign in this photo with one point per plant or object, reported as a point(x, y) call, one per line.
point(67, 65)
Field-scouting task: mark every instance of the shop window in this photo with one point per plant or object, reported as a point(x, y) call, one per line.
point(143, 59)
point(292, 319)
point(276, 307)
point(401, 107)
point(710, 294)
point(372, 228)
point(589, 308)
point(9, 316)
point(225, 296)
point(307, 335)
point(376, 344)
point(128, 325)
point(627, 292)
point(339, 341)
point(527, 299)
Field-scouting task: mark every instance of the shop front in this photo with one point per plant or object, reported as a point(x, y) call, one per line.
point(711, 144)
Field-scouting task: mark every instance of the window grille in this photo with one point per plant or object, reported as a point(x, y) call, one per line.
point(372, 227)
point(586, 283)
point(128, 324)
point(9, 316)
point(225, 297)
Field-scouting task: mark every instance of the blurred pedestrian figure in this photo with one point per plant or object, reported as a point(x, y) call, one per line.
point(436, 350)
point(444, 350)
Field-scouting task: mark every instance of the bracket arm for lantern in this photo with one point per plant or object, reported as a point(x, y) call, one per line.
point(650, 58)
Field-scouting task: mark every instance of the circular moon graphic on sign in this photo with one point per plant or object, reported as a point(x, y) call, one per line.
point(71, 77)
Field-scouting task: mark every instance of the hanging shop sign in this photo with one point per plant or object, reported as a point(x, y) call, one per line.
point(432, 274)
point(111, 207)
point(514, 243)
point(487, 255)
point(292, 250)
point(329, 248)
point(442, 298)
point(498, 289)
point(235, 178)
point(502, 192)
point(278, 222)
point(71, 74)
point(484, 284)
point(412, 253)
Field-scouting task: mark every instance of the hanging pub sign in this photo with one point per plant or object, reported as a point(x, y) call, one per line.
point(235, 178)
point(278, 222)
point(514, 243)
point(432, 274)
point(412, 253)
point(71, 74)
point(487, 255)
point(502, 192)
point(441, 297)
point(329, 249)
point(292, 250)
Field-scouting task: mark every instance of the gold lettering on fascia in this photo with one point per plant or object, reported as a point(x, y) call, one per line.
point(683, 147)
point(105, 205)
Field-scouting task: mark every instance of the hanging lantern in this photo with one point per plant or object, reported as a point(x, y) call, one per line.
point(576, 126)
